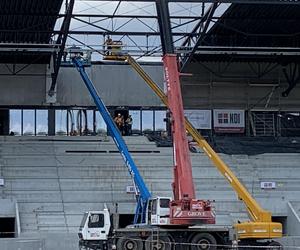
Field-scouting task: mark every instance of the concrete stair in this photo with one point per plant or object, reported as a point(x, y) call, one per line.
point(55, 180)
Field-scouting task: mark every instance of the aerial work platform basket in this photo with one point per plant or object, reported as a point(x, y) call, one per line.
point(114, 51)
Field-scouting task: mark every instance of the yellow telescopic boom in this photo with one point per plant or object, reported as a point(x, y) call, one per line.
point(261, 225)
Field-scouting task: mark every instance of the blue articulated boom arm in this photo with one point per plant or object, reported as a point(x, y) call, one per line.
point(144, 194)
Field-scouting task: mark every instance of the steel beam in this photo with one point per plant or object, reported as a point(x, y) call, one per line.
point(252, 51)
point(201, 36)
point(29, 47)
point(62, 39)
point(125, 33)
point(91, 24)
point(292, 77)
point(127, 16)
point(286, 2)
point(166, 37)
point(191, 17)
point(198, 25)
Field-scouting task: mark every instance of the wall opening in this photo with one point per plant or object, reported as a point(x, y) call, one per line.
point(282, 220)
point(7, 227)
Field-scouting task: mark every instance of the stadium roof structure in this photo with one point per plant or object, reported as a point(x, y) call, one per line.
point(195, 26)
point(253, 32)
point(257, 25)
point(26, 29)
point(197, 30)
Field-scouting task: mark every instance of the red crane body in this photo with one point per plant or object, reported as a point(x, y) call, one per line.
point(185, 208)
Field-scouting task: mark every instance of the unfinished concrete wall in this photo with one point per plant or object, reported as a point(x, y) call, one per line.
point(293, 219)
point(22, 84)
point(118, 85)
point(213, 85)
point(237, 85)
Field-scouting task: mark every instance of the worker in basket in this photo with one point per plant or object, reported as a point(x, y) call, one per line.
point(108, 43)
point(113, 50)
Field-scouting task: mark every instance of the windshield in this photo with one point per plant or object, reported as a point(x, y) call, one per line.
point(164, 203)
point(96, 220)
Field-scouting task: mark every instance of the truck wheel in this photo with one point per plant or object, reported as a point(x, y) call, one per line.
point(81, 246)
point(129, 244)
point(203, 241)
point(164, 243)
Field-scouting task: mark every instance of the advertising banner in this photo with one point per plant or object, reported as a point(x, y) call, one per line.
point(200, 119)
point(229, 121)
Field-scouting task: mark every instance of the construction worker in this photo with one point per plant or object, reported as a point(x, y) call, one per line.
point(119, 120)
point(128, 124)
point(108, 43)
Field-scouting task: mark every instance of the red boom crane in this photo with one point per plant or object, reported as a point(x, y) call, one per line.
point(185, 209)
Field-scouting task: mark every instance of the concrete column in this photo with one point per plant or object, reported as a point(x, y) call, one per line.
point(51, 122)
point(49, 71)
point(4, 122)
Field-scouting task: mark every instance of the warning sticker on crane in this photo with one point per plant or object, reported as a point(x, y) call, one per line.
point(229, 121)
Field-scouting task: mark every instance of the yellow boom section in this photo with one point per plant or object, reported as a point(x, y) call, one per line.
point(261, 225)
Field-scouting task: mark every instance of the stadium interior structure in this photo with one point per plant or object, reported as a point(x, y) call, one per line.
point(240, 68)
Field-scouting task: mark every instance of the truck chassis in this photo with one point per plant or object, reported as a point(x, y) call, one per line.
point(148, 238)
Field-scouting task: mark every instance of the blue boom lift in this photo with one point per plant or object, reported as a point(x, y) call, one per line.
point(142, 193)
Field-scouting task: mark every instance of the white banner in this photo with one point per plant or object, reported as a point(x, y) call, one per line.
point(200, 119)
point(229, 121)
point(130, 190)
point(268, 185)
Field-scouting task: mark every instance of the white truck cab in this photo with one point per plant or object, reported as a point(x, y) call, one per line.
point(95, 225)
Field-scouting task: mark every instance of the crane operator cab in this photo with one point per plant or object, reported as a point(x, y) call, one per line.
point(159, 211)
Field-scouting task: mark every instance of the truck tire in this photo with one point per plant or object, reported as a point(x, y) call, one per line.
point(164, 243)
point(125, 243)
point(203, 241)
point(82, 246)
